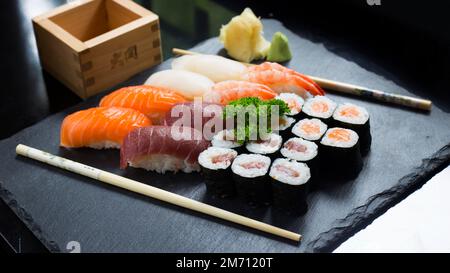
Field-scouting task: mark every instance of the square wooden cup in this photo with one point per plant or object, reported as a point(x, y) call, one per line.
point(92, 45)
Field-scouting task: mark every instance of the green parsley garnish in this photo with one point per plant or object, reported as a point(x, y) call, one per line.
point(252, 116)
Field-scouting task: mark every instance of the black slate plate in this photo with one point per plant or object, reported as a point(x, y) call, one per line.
point(61, 207)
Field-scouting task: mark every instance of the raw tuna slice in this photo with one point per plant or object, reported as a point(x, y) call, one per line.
point(163, 148)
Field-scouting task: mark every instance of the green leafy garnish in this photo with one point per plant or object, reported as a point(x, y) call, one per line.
point(252, 116)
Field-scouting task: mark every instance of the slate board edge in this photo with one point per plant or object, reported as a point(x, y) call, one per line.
point(363, 215)
point(21, 212)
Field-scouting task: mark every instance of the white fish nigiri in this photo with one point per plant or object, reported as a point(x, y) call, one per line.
point(188, 84)
point(214, 67)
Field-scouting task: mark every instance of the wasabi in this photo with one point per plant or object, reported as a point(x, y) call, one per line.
point(279, 49)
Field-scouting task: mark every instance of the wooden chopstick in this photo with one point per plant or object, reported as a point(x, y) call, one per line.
point(361, 91)
point(147, 190)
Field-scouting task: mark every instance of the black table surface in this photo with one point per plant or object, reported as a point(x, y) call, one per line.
point(380, 39)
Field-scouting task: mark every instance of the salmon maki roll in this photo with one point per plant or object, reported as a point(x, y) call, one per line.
point(149, 100)
point(100, 127)
point(310, 129)
point(319, 107)
point(340, 156)
point(356, 118)
point(227, 91)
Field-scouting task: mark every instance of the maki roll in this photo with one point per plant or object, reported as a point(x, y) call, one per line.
point(290, 185)
point(269, 146)
point(215, 164)
point(303, 151)
point(226, 139)
point(284, 128)
point(354, 117)
point(310, 129)
point(340, 155)
point(294, 102)
point(250, 176)
point(320, 107)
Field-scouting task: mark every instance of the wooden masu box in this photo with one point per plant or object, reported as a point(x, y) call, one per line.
point(92, 45)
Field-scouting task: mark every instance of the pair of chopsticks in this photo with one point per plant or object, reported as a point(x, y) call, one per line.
point(351, 89)
point(147, 190)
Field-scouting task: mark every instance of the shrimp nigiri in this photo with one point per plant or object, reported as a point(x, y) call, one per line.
point(149, 100)
point(188, 84)
point(281, 79)
point(100, 127)
point(226, 91)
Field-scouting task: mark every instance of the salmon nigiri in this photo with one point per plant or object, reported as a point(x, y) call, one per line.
point(150, 100)
point(226, 91)
point(100, 127)
point(282, 79)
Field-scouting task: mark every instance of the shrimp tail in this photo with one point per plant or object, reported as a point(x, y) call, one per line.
point(318, 91)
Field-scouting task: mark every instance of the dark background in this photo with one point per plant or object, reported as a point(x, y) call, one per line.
point(408, 38)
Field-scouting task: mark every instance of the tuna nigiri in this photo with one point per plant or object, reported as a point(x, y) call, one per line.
point(226, 91)
point(149, 100)
point(217, 68)
point(163, 148)
point(189, 84)
point(281, 79)
point(100, 127)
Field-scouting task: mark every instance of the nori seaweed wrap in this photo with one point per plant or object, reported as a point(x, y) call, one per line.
point(340, 156)
point(215, 164)
point(303, 151)
point(356, 118)
point(290, 180)
point(251, 179)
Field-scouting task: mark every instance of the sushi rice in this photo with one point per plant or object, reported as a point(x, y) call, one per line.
point(320, 107)
point(216, 158)
point(309, 129)
point(225, 139)
point(290, 172)
point(299, 149)
point(340, 137)
point(294, 102)
point(284, 128)
point(351, 113)
point(285, 123)
point(267, 146)
point(251, 165)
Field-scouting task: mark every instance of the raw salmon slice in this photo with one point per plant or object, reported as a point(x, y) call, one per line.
point(149, 100)
point(100, 127)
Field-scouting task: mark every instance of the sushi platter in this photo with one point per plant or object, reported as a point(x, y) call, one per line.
point(331, 166)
